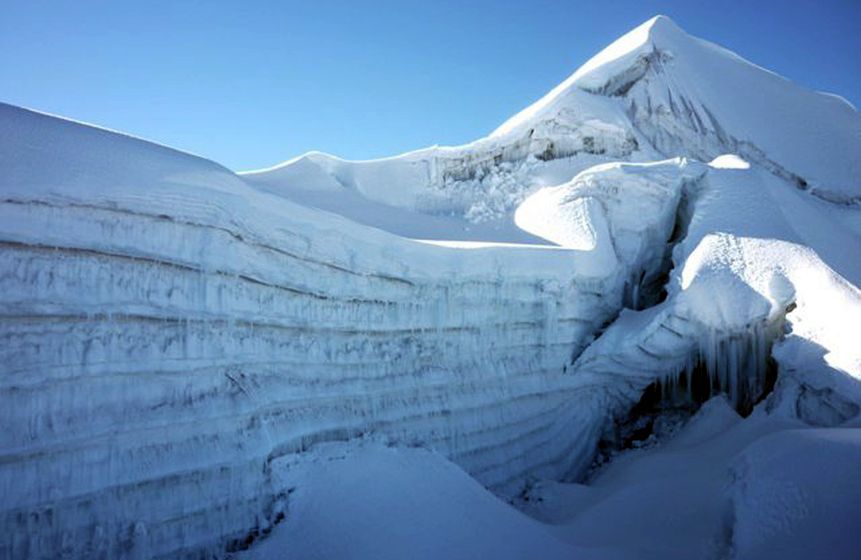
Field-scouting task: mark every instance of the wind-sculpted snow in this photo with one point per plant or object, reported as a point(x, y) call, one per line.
point(747, 277)
point(479, 182)
point(607, 203)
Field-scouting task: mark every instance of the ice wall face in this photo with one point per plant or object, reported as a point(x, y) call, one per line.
point(155, 413)
point(164, 342)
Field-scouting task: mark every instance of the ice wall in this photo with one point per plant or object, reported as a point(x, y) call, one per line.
point(168, 332)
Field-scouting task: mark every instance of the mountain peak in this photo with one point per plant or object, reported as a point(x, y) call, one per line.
point(661, 24)
point(657, 32)
point(688, 96)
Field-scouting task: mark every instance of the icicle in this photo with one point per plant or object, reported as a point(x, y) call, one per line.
point(635, 296)
point(735, 364)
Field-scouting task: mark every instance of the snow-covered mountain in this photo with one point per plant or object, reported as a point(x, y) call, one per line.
point(654, 93)
point(184, 347)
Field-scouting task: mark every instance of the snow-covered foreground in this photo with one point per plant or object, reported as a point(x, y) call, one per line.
point(755, 488)
point(190, 355)
point(721, 486)
point(372, 501)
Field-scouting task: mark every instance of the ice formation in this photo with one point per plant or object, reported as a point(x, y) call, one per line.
point(177, 337)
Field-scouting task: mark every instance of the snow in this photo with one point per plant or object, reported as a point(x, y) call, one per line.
point(613, 60)
point(468, 191)
point(370, 501)
point(795, 493)
point(634, 205)
point(760, 487)
point(729, 161)
point(330, 358)
point(747, 269)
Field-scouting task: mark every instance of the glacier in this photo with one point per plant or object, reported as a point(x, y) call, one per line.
point(184, 346)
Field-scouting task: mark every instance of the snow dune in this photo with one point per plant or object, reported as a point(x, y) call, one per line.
point(371, 501)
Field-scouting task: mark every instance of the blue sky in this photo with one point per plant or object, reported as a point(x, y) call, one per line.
point(253, 83)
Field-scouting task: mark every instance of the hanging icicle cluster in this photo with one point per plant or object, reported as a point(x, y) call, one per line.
point(736, 364)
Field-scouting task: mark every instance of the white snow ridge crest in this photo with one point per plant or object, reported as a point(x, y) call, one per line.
point(331, 359)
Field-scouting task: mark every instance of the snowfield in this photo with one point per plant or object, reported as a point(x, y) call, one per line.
point(631, 312)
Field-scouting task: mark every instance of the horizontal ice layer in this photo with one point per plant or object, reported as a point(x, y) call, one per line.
point(164, 342)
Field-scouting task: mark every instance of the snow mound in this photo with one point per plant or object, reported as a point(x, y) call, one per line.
point(370, 501)
point(46, 155)
point(729, 161)
point(636, 203)
point(723, 487)
point(796, 494)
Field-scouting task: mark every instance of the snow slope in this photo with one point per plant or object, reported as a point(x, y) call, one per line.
point(180, 342)
point(691, 97)
point(721, 487)
point(464, 191)
point(370, 501)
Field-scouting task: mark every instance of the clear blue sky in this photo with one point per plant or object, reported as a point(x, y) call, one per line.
point(253, 83)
